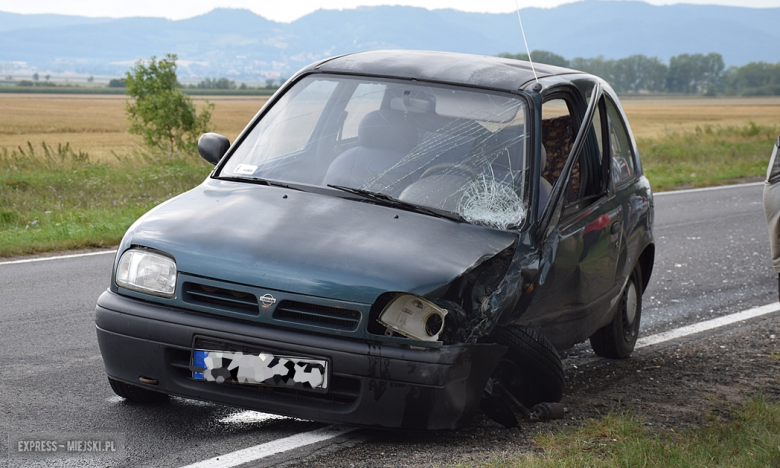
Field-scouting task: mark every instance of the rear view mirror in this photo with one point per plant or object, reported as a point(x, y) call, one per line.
point(212, 146)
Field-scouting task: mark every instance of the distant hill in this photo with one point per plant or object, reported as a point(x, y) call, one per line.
point(15, 21)
point(241, 45)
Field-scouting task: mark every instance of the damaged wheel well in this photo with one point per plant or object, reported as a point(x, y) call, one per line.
point(465, 298)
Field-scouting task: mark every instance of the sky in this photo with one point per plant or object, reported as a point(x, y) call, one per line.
point(290, 10)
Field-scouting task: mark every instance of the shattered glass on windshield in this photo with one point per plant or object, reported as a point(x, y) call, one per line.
point(443, 147)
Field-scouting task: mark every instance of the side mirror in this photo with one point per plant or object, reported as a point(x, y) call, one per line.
point(212, 146)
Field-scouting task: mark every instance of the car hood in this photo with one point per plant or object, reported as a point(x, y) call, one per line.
point(314, 244)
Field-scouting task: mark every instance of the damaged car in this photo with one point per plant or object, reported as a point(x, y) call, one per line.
point(396, 239)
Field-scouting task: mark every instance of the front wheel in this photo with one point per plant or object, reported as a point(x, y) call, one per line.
point(531, 369)
point(618, 338)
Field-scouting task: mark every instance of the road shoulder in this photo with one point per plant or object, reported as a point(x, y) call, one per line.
point(671, 387)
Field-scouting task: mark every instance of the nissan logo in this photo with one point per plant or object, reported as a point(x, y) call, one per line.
point(267, 300)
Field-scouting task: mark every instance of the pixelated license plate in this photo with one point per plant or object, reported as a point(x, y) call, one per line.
point(260, 369)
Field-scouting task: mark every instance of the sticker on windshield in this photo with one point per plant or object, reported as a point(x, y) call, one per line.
point(245, 169)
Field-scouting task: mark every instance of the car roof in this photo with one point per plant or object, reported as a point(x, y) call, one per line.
point(474, 70)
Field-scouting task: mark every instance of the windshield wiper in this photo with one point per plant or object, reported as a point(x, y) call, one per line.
point(387, 200)
point(261, 181)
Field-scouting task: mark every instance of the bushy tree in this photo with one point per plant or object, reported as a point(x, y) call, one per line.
point(160, 111)
point(694, 73)
point(753, 79)
point(598, 66)
point(637, 73)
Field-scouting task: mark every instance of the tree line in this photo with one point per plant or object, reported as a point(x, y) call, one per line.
point(684, 74)
point(208, 83)
point(224, 83)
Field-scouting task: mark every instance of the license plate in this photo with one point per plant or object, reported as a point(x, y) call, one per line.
point(260, 368)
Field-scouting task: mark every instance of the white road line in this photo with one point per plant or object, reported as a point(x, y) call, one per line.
point(272, 448)
point(707, 325)
point(44, 259)
point(707, 189)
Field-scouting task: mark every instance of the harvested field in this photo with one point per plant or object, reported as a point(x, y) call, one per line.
point(97, 124)
point(657, 117)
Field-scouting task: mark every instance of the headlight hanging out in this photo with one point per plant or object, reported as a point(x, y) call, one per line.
point(414, 317)
point(147, 272)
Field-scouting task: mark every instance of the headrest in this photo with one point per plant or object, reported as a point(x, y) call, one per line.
point(387, 129)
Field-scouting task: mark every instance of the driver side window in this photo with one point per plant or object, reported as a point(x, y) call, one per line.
point(588, 174)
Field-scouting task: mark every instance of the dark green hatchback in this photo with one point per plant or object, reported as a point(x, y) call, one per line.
point(396, 239)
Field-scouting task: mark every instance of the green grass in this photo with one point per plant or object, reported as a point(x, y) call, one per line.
point(56, 199)
point(708, 156)
point(749, 438)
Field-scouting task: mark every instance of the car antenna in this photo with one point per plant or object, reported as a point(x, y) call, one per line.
point(528, 51)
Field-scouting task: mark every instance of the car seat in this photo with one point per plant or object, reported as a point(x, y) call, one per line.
point(379, 163)
point(558, 138)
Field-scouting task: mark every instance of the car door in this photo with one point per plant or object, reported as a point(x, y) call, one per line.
point(581, 240)
point(627, 189)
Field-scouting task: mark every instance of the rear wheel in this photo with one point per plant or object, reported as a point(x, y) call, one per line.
point(136, 394)
point(617, 340)
point(531, 369)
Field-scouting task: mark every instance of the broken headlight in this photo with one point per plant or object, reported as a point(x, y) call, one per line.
point(414, 317)
point(147, 272)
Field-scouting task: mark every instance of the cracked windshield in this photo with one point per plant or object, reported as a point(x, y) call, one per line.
point(441, 147)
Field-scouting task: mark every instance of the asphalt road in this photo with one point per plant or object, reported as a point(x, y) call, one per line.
point(712, 259)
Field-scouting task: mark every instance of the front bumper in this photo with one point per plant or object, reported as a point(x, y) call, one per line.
point(372, 384)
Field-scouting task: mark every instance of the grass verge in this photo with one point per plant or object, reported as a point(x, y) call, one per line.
point(54, 198)
point(710, 155)
point(749, 438)
point(57, 198)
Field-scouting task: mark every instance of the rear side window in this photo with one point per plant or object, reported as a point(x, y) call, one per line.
point(622, 155)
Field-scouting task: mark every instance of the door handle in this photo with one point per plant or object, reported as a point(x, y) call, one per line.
point(615, 227)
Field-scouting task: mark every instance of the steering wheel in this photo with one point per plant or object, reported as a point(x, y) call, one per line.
point(447, 167)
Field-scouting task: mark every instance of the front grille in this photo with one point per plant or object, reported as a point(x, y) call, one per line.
point(315, 314)
point(221, 298)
